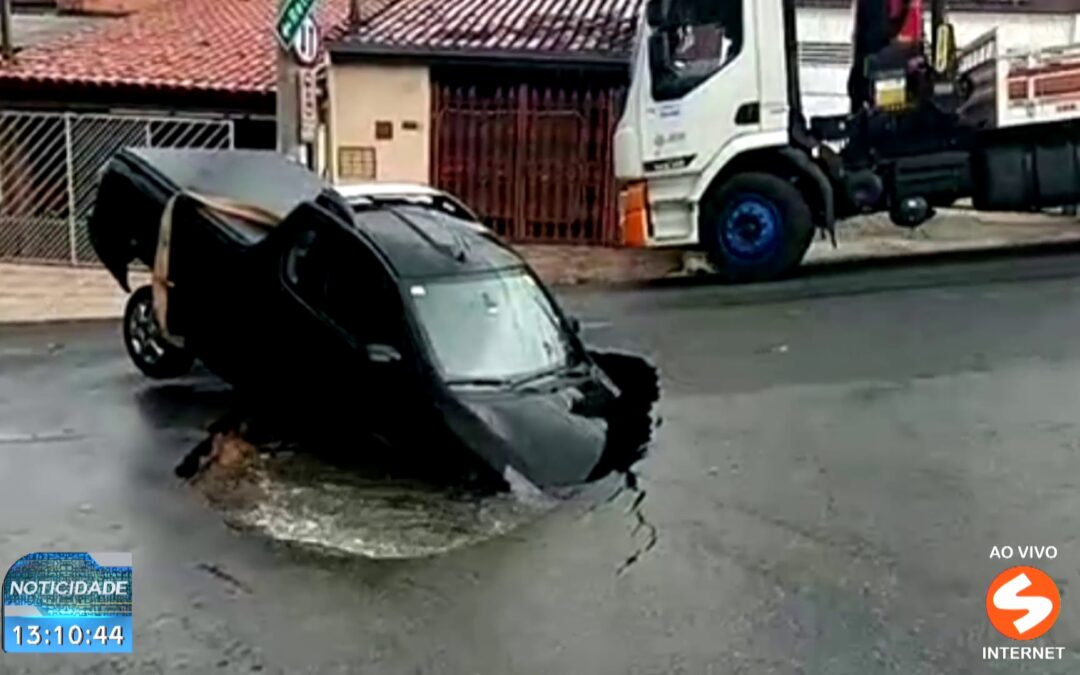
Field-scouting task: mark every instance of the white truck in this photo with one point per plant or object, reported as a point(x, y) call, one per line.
point(714, 152)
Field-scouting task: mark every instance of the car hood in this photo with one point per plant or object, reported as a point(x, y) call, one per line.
point(566, 433)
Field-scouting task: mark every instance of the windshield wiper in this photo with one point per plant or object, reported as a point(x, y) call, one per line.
point(558, 371)
point(481, 382)
point(521, 381)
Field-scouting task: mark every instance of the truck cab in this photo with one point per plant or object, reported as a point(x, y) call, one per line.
point(714, 152)
point(710, 101)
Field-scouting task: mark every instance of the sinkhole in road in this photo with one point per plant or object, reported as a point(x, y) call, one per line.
point(377, 505)
point(299, 498)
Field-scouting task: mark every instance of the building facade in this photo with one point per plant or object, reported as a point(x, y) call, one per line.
point(510, 105)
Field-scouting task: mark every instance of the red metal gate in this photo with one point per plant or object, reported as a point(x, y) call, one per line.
point(534, 163)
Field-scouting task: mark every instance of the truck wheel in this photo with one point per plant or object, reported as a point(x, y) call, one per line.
point(146, 345)
point(756, 227)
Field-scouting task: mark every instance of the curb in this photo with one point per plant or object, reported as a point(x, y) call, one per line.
point(874, 275)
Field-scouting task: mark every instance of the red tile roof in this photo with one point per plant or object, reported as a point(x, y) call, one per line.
point(538, 28)
point(179, 45)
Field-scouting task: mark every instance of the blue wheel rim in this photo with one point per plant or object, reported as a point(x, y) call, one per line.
point(751, 229)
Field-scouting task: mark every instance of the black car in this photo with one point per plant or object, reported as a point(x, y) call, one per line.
point(394, 310)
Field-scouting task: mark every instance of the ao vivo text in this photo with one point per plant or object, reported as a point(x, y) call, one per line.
point(1024, 552)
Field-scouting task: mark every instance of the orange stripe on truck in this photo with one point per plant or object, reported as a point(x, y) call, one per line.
point(634, 209)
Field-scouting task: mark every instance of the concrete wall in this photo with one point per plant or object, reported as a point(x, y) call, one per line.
point(361, 97)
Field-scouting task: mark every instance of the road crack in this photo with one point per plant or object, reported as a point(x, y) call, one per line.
point(219, 573)
point(641, 522)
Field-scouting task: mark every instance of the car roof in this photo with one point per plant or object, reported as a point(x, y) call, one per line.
point(425, 232)
point(422, 242)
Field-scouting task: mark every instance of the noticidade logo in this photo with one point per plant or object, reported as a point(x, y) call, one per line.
point(1023, 603)
point(68, 602)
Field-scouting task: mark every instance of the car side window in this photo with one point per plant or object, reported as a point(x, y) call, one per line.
point(341, 279)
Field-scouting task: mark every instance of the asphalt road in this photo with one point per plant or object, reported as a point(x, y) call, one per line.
point(834, 465)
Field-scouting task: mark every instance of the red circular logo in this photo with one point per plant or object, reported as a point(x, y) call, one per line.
point(1023, 603)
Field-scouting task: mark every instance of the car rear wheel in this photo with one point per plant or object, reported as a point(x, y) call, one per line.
point(146, 344)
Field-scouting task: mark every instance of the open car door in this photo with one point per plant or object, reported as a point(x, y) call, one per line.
point(138, 182)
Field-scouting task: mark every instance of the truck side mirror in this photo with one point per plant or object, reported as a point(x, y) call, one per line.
point(654, 13)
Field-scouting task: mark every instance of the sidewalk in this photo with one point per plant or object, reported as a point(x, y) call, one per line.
point(952, 230)
point(31, 292)
point(53, 292)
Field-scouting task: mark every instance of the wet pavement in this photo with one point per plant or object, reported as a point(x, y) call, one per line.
point(832, 470)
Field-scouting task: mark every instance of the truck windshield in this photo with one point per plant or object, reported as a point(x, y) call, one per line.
point(490, 329)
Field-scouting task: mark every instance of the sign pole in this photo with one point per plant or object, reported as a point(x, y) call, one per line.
point(6, 40)
point(291, 15)
point(288, 105)
point(306, 49)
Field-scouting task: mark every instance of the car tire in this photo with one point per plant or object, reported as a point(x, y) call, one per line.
point(146, 343)
point(756, 227)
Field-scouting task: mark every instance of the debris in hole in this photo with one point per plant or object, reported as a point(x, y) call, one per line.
point(378, 314)
point(221, 467)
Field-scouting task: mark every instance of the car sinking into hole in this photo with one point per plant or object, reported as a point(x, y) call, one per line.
point(388, 308)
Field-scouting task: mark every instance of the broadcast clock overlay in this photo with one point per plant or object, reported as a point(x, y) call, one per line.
point(68, 602)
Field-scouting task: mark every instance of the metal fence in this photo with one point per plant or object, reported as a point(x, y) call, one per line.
point(50, 164)
point(534, 163)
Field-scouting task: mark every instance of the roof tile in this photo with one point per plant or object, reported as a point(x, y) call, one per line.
point(563, 27)
point(186, 45)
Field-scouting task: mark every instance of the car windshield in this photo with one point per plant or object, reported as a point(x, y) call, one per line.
point(491, 328)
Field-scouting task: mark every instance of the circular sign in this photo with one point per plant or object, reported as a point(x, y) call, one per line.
point(307, 44)
point(1023, 603)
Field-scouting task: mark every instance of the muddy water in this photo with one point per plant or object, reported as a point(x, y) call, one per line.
point(305, 503)
point(298, 498)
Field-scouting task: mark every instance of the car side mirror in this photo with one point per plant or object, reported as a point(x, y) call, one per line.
point(654, 13)
point(574, 324)
point(380, 353)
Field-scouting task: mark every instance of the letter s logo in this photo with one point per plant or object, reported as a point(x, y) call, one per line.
point(1026, 616)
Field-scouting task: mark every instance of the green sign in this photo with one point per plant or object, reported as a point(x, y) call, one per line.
point(293, 13)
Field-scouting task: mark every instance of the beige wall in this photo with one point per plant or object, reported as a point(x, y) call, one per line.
point(361, 96)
